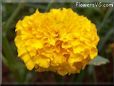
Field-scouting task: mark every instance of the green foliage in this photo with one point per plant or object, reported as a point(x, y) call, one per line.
point(99, 61)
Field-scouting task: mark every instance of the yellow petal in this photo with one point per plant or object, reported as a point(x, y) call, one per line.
point(42, 62)
point(75, 58)
point(93, 53)
point(30, 65)
point(37, 44)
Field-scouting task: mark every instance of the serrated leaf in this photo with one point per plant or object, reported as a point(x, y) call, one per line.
point(99, 60)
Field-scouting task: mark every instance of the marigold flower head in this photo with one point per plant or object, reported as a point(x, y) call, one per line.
point(60, 41)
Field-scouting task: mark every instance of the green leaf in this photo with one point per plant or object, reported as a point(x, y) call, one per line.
point(99, 61)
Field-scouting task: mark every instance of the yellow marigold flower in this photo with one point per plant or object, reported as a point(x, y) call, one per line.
point(60, 41)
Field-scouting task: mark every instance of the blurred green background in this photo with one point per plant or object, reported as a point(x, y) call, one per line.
point(14, 70)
